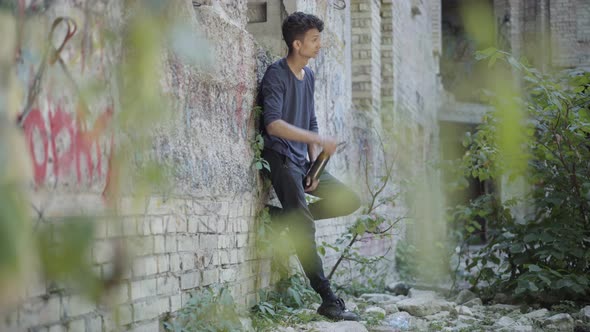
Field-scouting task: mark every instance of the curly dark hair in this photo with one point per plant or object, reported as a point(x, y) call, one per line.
point(297, 24)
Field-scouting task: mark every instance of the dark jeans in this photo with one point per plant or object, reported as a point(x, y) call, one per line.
point(336, 199)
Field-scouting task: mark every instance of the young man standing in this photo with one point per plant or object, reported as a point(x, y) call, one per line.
point(290, 134)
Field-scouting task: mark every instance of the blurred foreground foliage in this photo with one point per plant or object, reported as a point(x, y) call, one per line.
point(538, 247)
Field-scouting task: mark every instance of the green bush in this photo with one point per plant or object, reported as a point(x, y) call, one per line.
point(543, 253)
point(282, 306)
point(207, 310)
point(406, 257)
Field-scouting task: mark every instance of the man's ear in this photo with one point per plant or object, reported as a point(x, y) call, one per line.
point(297, 44)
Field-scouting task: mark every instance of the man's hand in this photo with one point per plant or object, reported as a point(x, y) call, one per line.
point(329, 145)
point(311, 185)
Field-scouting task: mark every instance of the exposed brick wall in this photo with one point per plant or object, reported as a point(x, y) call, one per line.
point(570, 23)
point(176, 245)
point(376, 59)
point(387, 78)
point(582, 21)
point(435, 14)
point(366, 59)
point(551, 33)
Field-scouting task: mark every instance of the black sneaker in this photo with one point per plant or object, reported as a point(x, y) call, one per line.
point(336, 310)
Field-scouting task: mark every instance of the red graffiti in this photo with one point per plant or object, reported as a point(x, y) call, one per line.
point(34, 122)
point(71, 144)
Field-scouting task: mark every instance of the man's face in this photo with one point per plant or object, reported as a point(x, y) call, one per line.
point(310, 46)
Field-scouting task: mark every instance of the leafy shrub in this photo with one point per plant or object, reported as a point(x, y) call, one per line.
point(405, 261)
point(281, 306)
point(207, 310)
point(544, 253)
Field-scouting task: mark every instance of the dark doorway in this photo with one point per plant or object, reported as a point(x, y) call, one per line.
point(451, 138)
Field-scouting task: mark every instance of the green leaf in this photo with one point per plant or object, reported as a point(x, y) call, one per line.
point(268, 309)
point(360, 228)
point(479, 55)
point(532, 237)
point(545, 280)
point(546, 237)
point(295, 296)
point(579, 89)
point(494, 259)
point(516, 248)
point(532, 286)
point(534, 268)
point(513, 62)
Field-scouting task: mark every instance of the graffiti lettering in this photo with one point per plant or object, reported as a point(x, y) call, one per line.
point(66, 144)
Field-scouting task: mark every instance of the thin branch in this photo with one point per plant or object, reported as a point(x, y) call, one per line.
point(367, 174)
point(574, 179)
point(382, 148)
point(352, 241)
point(388, 228)
point(378, 205)
point(371, 260)
point(380, 190)
point(372, 206)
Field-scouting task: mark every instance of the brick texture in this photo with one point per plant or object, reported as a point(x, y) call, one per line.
point(366, 54)
point(569, 33)
point(551, 33)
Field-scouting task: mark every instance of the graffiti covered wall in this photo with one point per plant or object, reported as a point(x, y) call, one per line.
point(65, 126)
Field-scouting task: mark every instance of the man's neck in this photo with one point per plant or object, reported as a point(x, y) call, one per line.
point(296, 62)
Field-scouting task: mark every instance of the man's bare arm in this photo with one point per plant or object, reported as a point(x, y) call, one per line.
point(285, 130)
point(312, 151)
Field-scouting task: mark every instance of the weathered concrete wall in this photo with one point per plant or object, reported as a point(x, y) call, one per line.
point(268, 31)
point(551, 33)
point(208, 138)
point(417, 88)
